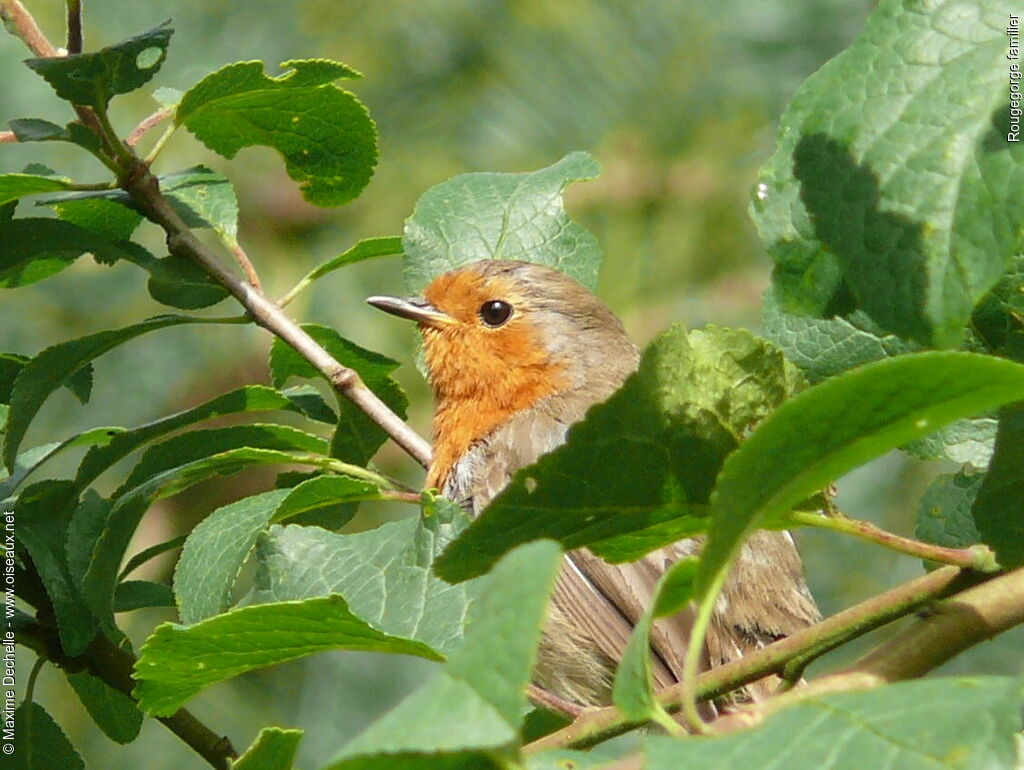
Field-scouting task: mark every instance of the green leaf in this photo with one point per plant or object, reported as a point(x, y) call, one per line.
point(501, 216)
point(325, 501)
point(181, 283)
point(53, 366)
point(665, 434)
point(999, 317)
point(93, 79)
point(43, 511)
point(925, 725)
point(632, 692)
point(273, 749)
point(825, 347)
point(384, 573)
point(204, 198)
point(368, 248)
point(250, 398)
point(357, 437)
point(893, 188)
point(113, 711)
point(101, 216)
point(838, 425)
point(106, 546)
point(197, 444)
point(215, 552)
point(30, 460)
point(151, 553)
point(482, 686)
point(324, 134)
point(944, 517)
point(36, 130)
point(966, 442)
point(15, 186)
point(177, 662)
point(141, 594)
point(41, 744)
point(36, 248)
point(999, 507)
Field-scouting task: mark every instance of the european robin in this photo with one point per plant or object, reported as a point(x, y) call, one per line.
point(516, 353)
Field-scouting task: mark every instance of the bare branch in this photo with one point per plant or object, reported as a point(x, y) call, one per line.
point(598, 725)
point(75, 41)
point(147, 124)
point(21, 23)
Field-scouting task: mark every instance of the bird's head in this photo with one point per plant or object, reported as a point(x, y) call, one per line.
point(515, 330)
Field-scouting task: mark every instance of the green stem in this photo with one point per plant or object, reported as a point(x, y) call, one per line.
point(691, 663)
point(977, 557)
point(153, 153)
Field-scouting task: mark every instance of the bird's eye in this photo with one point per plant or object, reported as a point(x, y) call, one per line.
point(495, 312)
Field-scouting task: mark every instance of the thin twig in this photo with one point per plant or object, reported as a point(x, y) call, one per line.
point(598, 725)
point(147, 124)
point(243, 262)
point(20, 22)
point(75, 41)
point(979, 557)
point(548, 700)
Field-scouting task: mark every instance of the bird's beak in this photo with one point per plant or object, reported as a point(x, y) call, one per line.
point(414, 308)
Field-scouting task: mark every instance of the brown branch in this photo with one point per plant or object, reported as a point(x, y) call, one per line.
point(135, 179)
point(243, 262)
point(114, 666)
point(75, 40)
point(793, 652)
point(147, 124)
point(144, 189)
point(548, 700)
point(20, 22)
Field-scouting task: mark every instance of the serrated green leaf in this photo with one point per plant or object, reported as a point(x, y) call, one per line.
point(935, 724)
point(273, 749)
point(204, 198)
point(215, 552)
point(632, 692)
point(482, 686)
point(36, 130)
point(107, 547)
point(100, 216)
point(139, 594)
point(325, 501)
point(967, 442)
point(368, 248)
point(250, 398)
point(944, 517)
point(177, 662)
point(30, 460)
point(893, 187)
point(15, 186)
point(43, 511)
point(180, 283)
point(94, 78)
point(196, 444)
point(665, 433)
point(357, 437)
point(324, 134)
point(151, 553)
point(836, 426)
point(113, 711)
point(53, 366)
point(383, 573)
point(999, 507)
point(825, 347)
point(41, 744)
point(36, 248)
point(501, 216)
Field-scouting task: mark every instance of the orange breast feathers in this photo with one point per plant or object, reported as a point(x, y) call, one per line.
point(481, 376)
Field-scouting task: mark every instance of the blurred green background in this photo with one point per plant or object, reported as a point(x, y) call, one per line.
point(677, 100)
